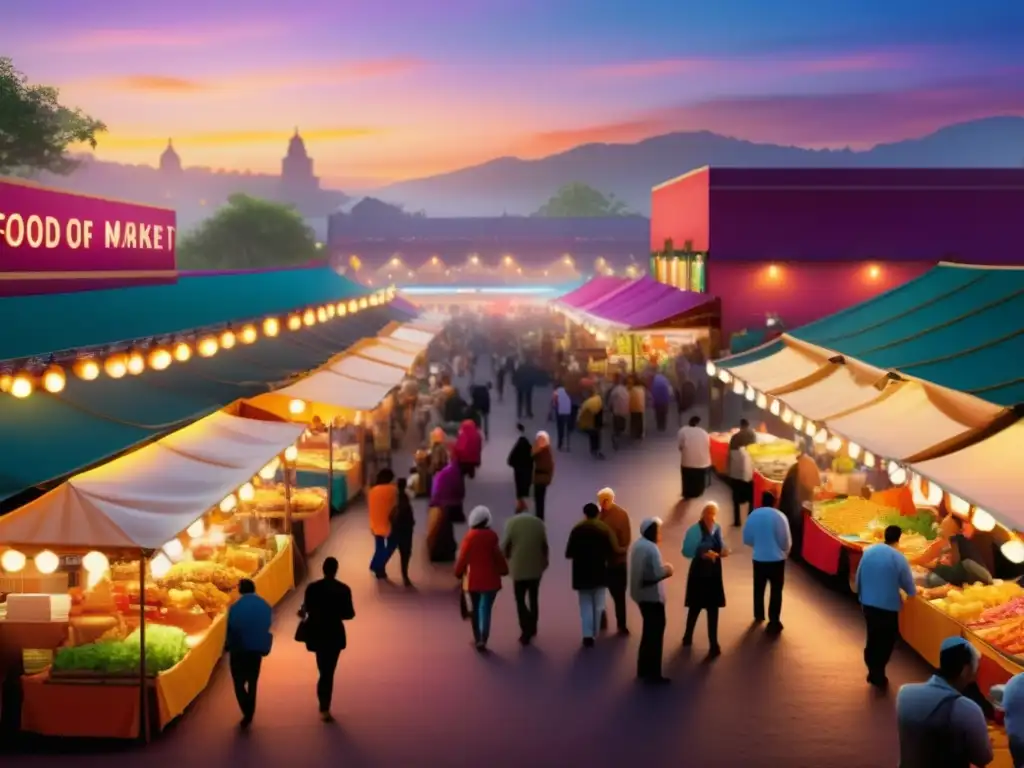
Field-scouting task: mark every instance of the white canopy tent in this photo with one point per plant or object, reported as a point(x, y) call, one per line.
point(369, 371)
point(387, 354)
point(836, 391)
point(415, 336)
point(786, 366)
point(334, 389)
point(146, 498)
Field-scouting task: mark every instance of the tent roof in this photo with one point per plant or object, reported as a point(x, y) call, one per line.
point(785, 365)
point(147, 497)
point(670, 305)
point(956, 326)
point(368, 371)
point(591, 290)
point(412, 336)
point(333, 389)
point(627, 297)
point(385, 353)
point(834, 389)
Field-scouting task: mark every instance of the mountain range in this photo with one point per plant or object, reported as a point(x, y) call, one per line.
point(516, 187)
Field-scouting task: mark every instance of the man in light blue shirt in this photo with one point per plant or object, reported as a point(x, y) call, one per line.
point(882, 573)
point(767, 531)
point(938, 726)
point(1010, 698)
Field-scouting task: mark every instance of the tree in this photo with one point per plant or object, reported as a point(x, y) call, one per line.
point(578, 200)
point(248, 233)
point(36, 129)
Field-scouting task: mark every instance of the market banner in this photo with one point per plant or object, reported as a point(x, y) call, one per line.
point(57, 242)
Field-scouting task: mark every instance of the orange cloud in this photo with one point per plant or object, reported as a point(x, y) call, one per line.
point(159, 83)
point(126, 141)
point(550, 142)
point(95, 40)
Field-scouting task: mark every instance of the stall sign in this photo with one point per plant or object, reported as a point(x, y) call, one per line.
point(57, 242)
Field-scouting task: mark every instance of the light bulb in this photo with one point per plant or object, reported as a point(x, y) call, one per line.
point(751, 394)
point(12, 561)
point(810, 429)
point(248, 334)
point(207, 346)
point(710, 368)
point(853, 451)
point(268, 472)
point(291, 453)
point(762, 400)
point(159, 566)
point(776, 408)
point(321, 315)
point(174, 549)
point(116, 366)
point(160, 359)
point(1013, 550)
point(821, 436)
point(54, 379)
point(87, 369)
point(353, 306)
point(227, 339)
point(738, 387)
point(834, 444)
point(182, 352)
point(47, 562)
point(957, 506)
point(724, 376)
point(798, 422)
point(869, 460)
point(271, 327)
point(373, 300)
point(309, 318)
point(21, 386)
point(294, 322)
point(136, 363)
point(982, 521)
point(197, 529)
point(341, 309)
point(295, 407)
point(246, 492)
point(926, 494)
point(229, 503)
point(897, 474)
point(95, 562)
point(330, 312)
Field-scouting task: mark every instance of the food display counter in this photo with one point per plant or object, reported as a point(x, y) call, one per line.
point(771, 456)
point(306, 509)
point(342, 481)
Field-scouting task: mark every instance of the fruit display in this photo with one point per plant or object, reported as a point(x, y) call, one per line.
point(851, 516)
point(982, 605)
point(165, 647)
point(772, 451)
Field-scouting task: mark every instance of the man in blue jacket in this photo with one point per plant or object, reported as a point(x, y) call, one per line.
point(248, 641)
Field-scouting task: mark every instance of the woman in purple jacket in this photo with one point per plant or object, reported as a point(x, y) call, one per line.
point(446, 498)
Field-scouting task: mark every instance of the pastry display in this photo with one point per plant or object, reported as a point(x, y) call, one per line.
point(222, 577)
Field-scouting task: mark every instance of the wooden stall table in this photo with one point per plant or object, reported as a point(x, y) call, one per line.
point(924, 627)
point(277, 578)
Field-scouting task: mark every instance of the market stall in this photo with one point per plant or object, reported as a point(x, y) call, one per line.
point(148, 551)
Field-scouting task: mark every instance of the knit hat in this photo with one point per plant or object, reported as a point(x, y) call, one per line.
point(648, 523)
point(480, 517)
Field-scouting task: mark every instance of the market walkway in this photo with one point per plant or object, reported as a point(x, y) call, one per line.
point(412, 692)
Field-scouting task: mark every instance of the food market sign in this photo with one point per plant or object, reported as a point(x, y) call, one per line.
point(56, 242)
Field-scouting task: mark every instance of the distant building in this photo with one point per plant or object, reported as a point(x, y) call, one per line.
point(298, 182)
point(803, 243)
point(170, 163)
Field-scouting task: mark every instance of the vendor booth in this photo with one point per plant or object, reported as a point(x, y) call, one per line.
point(117, 581)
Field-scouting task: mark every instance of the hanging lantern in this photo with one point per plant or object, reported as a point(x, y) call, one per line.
point(248, 334)
point(160, 359)
point(295, 407)
point(54, 379)
point(810, 429)
point(897, 474)
point(229, 503)
point(268, 471)
point(294, 322)
point(309, 318)
point(271, 327)
point(363, 303)
point(116, 366)
point(821, 436)
point(353, 306)
point(798, 422)
point(159, 566)
point(724, 376)
point(751, 394)
point(182, 352)
point(957, 506)
point(321, 314)
point(207, 346)
point(869, 460)
point(775, 408)
point(95, 562)
point(246, 492)
point(330, 312)
point(373, 301)
point(982, 521)
point(762, 400)
point(710, 368)
point(1013, 550)
point(341, 309)
point(738, 387)
point(47, 562)
point(853, 450)
point(174, 549)
point(227, 339)
point(86, 369)
point(136, 363)
point(834, 444)
point(197, 529)
point(291, 453)
point(12, 561)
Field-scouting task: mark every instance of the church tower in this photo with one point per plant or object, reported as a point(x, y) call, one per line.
point(297, 179)
point(170, 163)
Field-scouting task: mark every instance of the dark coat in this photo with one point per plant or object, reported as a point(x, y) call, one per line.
point(591, 547)
point(520, 458)
point(327, 605)
point(480, 396)
point(543, 466)
point(704, 585)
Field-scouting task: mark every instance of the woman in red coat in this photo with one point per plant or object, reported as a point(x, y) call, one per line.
point(469, 445)
point(481, 564)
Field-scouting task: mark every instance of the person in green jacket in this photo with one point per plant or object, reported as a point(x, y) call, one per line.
point(525, 546)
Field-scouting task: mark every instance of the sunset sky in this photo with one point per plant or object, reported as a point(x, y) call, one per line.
point(394, 89)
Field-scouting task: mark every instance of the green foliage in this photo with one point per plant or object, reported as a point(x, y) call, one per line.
point(36, 129)
point(579, 200)
point(248, 233)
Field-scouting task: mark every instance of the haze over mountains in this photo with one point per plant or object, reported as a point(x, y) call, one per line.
point(517, 187)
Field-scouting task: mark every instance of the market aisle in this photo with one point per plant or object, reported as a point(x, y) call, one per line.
point(412, 692)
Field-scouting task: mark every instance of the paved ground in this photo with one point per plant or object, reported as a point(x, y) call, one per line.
point(411, 691)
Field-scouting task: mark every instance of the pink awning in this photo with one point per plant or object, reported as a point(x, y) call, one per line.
point(591, 291)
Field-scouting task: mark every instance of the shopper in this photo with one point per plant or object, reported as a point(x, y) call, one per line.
point(543, 471)
point(694, 458)
point(326, 606)
point(618, 400)
point(1010, 698)
point(469, 447)
point(480, 398)
point(882, 573)
point(382, 500)
point(590, 422)
point(637, 407)
point(937, 724)
point(563, 417)
point(661, 396)
point(446, 498)
point(520, 459)
point(616, 518)
point(480, 566)
point(646, 574)
point(767, 531)
point(741, 470)
point(248, 642)
point(402, 528)
point(525, 546)
point(591, 547)
point(705, 588)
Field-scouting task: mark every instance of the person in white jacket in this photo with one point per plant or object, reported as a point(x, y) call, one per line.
point(694, 458)
point(646, 574)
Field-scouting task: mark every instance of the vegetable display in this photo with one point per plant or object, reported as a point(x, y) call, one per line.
point(165, 647)
point(923, 524)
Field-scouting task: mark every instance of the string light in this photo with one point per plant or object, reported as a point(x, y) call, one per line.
point(248, 334)
point(710, 368)
point(12, 561)
point(295, 407)
point(291, 453)
point(341, 309)
point(160, 359)
point(982, 520)
point(207, 346)
point(330, 312)
point(229, 503)
point(116, 366)
point(197, 529)
point(182, 352)
point(353, 306)
point(294, 322)
point(321, 315)
point(135, 363)
point(54, 379)
point(271, 327)
point(776, 408)
point(86, 369)
point(227, 339)
point(46, 562)
point(246, 492)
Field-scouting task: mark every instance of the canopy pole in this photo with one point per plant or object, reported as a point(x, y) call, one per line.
point(144, 555)
point(287, 496)
point(632, 351)
point(330, 468)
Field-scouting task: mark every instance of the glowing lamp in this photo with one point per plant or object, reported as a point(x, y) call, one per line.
point(95, 562)
point(738, 387)
point(228, 504)
point(342, 309)
point(160, 359)
point(982, 521)
point(810, 429)
point(821, 436)
point(710, 368)
point(309, 317)
point(363, 303)
point(874, 272)
point(291, 453)
point(798, 422)
point(776, 408)
point(353, 306)
point(331, 312)
point(1013, 550)
point(247, 492)
point(897, 474)
point(116, 366)
point(86, 369)
point(926, 494)
point(268, 472)
point(174, 549)
point(853, 450)
point(12, 561)
point(159, 566)
point(182, 352)
point(227, 339)
point(295, 407)
point(773, 272)
point(248, 335)
point(46, 562)
point(136, 363)
point(834, 444)
point(957, 506)
point(294, 322)
point(54, 379)
point(787, 415)
point(22, 386)
point(197, 529)
point(751, 393)
point(869, 460)
point(6, 380)
point(271, 327)
point(373, 300)
point(762, 400)
point(207, 346)
point(321, 315)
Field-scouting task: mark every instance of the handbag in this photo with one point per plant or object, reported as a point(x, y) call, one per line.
point(692, 541)
point(302, 630)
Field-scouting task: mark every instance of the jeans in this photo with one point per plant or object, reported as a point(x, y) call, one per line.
point(383, 548)
point(326, 664)
point(883, 629)
point(562, 423)
point(591, 609)
point(524, 402)
point(765, 575)
point(483, 604)
point(652, 641)
point(245, 673)
point(526, 591)
point(539, 495)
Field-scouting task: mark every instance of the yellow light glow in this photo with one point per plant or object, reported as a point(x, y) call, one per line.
point(229, 503)
point(773, 272)
point(294, 322)
point(798, 422)
point(821, 436)
point(22, 386)
point(724, 376)
point(182, 352)
point(291, 453)
point(87, 369)
point(160, 359)
point(762, 400)
point(95, 562)
point(874, 272)
point(787, 416)
point(116, 366)
point(54, 379)
point(12, 561)
point(751, 394)
point(248, 334)
point(897, 474)
point(342, 310)
point(1013, 550)
point(853, 451)
point(271, 327)
point(834, 444)
point(982, 520)
point(363, 303)
point(174, 549)
point(353, 306)
point(738, 387)
point(309, 317)
point(810, 429)
point(47, 562)
point(331, 311)
point(957, 505)
point(321, 315)
point(246, 492)
point(926, 494)
point(159, 566)
point(776, 408)
point(197, 529)
point(268, 472)
point(136, 363)
point(869, 460)
point(227, 339)
point(295, 407)
point(207, 346)
point(373, 301)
